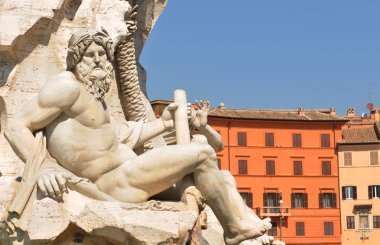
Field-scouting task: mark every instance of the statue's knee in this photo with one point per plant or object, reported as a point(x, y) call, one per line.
point(207, 153)
point(199, 138)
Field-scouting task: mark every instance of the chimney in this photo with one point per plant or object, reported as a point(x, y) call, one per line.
point(221, 105)
point(351, 112)
point(375, 114)
point(301, 111)
point(332, 111)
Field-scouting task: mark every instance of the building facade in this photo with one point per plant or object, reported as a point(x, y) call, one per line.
point(286, 168)
point(359, 171)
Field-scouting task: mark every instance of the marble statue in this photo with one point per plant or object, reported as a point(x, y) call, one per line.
point(82, 140)
point(71, 141)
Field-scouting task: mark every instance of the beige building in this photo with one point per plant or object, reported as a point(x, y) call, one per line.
point(359, 180)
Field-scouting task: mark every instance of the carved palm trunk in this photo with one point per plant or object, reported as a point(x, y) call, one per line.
point(128, 81)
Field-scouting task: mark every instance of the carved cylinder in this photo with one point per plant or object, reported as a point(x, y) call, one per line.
point(181, 122)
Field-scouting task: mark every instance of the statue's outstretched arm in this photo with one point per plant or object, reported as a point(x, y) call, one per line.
point(158, 126)
point(199, 122)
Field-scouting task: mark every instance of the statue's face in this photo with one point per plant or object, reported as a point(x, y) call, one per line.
point(95, 71)
point(95, 57)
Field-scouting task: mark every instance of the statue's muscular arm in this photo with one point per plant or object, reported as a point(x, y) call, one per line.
point(39, 112)
point(55, 97)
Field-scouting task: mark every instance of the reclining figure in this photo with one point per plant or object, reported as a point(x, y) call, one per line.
point(83, 141)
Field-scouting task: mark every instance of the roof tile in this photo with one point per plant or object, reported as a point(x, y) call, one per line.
point(286, 115)
point(360, 135)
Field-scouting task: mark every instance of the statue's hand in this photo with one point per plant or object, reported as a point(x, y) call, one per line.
point(198, 118)
point(53, 184)
point(168, 115)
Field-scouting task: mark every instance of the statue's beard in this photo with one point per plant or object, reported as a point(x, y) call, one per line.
point(96, 81)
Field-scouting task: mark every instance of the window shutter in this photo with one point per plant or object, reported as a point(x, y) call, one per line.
point(374, 158)
point(242, 138)
point(334, 200)
point(269, 139)
point(250, 200)
point(265, 199)
point(297, 140)
point(348, 158)
point(343, 192)
point(305, 200)
point(293, 197)
point(243, 169)
point(276, 200)
point(355, 192)
point(320, 200)
point(369, 192)
point(270, 167)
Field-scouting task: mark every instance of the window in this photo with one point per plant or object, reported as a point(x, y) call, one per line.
point(325, 140)
point(376, 221)
point(297, 166)
point(273, 231)
point(300, 228)
point(243, 167)
point(373, 191)
point(269, 139)
point(329, 228)
point(247, 198)
point(349, 192)
point(270, 199)
point(270, 167)
point(219, 163)
point(326, 168)
point(299, 200)
point(374, 158)
point(363, 221)
point(242, 139)
point(350, 220)
point(327, 200)
point(348, 159)
point(297, 140)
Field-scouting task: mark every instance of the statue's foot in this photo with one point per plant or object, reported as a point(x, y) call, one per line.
point(236, 235)
point(265, 239)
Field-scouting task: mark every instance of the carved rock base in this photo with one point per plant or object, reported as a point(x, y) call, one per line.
point(98, 222)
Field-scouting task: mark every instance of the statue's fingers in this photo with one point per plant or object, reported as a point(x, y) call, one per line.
point(48, 186)
point(267, 220)
point(172, 106)
point(270, 239)
point(134, 9)
point(41, 185)
point(54, 184)
point(133, 14)
point(130, 23)
point(266, 239)
point(66, 175)
point(61, 182)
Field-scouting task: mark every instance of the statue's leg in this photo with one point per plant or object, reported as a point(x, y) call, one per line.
point(160, 168)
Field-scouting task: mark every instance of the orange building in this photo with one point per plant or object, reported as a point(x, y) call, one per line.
point(286, 167)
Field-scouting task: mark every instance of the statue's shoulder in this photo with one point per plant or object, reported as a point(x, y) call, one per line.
point(61, 90)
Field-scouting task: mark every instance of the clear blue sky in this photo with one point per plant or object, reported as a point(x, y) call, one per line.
point(268, 54)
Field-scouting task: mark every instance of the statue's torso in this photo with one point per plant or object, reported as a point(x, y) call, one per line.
point(83, 140)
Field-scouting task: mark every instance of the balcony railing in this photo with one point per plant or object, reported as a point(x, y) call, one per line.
point(273, 211)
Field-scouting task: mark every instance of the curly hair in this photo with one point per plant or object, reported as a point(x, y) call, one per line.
point(80, 41)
